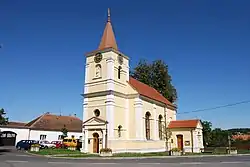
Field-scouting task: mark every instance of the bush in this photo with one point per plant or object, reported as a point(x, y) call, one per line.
point(106, 150)
point(35, 145)
point(176, 149)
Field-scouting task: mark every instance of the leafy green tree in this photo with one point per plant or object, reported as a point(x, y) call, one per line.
point(64, 132)
point(156, 75)
point(207, 132)
point(219, 138)
point(3, 119)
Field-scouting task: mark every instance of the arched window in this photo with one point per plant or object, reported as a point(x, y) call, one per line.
point(98, 71)
point(147, 125)
point(97, 113)
point(160, 127)
point(119, 72)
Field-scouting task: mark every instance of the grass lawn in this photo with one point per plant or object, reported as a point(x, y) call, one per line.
point(56, 152)
point(243, 151)
point(78, 154)
point(75, 154)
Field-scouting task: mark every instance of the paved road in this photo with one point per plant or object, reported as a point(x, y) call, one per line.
point(20, 159)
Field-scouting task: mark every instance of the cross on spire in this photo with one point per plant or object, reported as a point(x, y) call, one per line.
point(109, 15)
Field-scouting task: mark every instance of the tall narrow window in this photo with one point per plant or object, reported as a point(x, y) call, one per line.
point(119, 72)
point(147, 125)
point(160, 127)
point(119, 131)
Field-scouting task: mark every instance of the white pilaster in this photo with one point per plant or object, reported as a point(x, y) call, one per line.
point(86, 78)
point(85, 111)
point(127, 73)
point(127, 117)
point(110, 115)
point(156, 136)
point(110, 73)
point(86, 141)
point(103, 139)
point(139, 119)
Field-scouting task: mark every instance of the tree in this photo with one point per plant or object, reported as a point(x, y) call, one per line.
point(156, 75)
point(3, 119)
point(220, 138)
point(207, 132)
point(167, 135)
point(64, 132)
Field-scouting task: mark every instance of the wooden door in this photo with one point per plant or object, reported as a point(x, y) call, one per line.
point(180, 142)
point(95, 144)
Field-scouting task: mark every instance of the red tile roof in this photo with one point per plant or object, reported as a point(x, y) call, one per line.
point(56, 123)
point(184, 124)
point(50, 122)
point(16, 124)
point(241, 137)
point(147, 91)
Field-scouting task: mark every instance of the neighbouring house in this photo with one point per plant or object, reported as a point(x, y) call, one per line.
point(45, 127)
point(188, 135)
point(241, 137)
point(124, 114)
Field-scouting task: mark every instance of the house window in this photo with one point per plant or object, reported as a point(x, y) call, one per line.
point(43, 137)
point(60, 137)
point(119, 72)
point(160, 127)
point(147, 125)
point(97, 113)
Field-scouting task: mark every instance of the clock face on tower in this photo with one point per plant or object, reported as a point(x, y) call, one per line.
point(98, 57)
point(120, 59)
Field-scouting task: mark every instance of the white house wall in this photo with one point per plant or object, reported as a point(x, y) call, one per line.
point(51, 135)
point(26, 134)
point(22, 134)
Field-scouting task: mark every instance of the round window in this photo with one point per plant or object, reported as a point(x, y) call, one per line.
point(97, 113)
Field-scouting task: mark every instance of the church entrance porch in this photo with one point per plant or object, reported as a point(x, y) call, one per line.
point(95, 135)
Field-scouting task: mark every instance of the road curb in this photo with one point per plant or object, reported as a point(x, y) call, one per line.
point(135, 158)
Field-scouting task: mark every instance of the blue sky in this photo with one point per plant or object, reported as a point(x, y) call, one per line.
point(205, 43)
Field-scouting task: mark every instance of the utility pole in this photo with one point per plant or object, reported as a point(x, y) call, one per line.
point(229, 143)
point(165, 131)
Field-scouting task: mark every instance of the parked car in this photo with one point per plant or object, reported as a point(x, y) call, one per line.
point(25, 144)
point(46, 144)
point(59, 144)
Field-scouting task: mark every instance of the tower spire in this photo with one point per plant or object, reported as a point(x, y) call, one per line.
point(108, 37)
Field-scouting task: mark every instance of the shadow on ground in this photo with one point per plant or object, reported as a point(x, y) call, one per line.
point(4, 149)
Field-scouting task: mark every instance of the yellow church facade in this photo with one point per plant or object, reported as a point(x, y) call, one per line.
point(124, 114)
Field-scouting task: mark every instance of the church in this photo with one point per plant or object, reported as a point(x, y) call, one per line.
point(126, 115)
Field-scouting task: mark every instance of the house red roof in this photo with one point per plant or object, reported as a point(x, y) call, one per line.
point(50, 122)
point(56, 123)
point(184, 124)
point(16, 124)
point(148, 91)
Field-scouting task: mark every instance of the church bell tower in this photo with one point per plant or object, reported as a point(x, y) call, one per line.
point(106, 75)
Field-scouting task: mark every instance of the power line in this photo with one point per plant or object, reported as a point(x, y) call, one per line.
point(213, 108)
